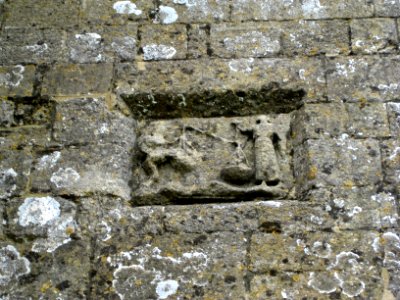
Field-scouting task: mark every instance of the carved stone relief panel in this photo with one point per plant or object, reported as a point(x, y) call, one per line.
point(203, 159)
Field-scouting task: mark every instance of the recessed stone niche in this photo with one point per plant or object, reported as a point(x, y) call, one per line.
point(225, 158)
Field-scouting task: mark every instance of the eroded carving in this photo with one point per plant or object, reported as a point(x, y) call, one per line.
point(231, 158)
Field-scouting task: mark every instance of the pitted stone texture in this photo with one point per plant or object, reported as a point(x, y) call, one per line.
point(364, 79)
point(310, 38)
point(340, 162)
point(160, 42)
point(197, 40)
point(196, 266)
point(7, 113)
point(89, 121)
point(14, 171)
point(50, 222)
point(358, 208)
point(218, 158)
point(25, 137)
point(63, 80)
point(111, 12)
point(17, 80)
point(12, 266)
point(121, 42)
point(368, 120)
point(391, 163)
point(393, 109)
point(199, 11)
point(210, 88)
point(296, 9)
point(387, 8)
point(100, 169)
point(315, 121)
point(26, 45)
point(42, 13)
point(245, 40)
point(373, 36)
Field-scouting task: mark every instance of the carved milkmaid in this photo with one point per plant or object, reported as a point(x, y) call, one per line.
point(232, 158)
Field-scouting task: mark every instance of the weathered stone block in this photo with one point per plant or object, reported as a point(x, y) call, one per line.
point(111, 12)
point(190, 265)
point(121, 41)
point(63, 80)
point(7, 113)
point(245, 40)
point(193, 11)
point(86, 47)
point(42, 13)
point(358, 208)
point(340, 162)
point(309, 9)
point(88, 121)
point(315, 121)
point(393, 109)
point(160, 42)
point(265, 10)
point(235, 158)
point(17, 80)
point(25, 137)
point(391, 164)
point(197, 40)
point(386, 8)
point(26, 45)
point(373, 36)
point(100, 169)
point(315, 37)
point(14, 171)
point(205, 88)
point(364, 79)
point(368, 120)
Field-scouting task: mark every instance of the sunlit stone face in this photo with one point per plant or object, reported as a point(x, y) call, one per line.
point(212, 158)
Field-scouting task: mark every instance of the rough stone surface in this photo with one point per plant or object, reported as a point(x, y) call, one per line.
point(199, 149)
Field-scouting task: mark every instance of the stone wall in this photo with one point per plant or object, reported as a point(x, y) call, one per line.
point(87, 85)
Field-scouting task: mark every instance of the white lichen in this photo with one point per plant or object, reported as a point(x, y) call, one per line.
point(158, 52)
point(12, 265)
point(12, 78)
point(65, 177)
point(48, 161)
point(38, 211)
point(167, 15)
point(166, 288)
point(126, 8)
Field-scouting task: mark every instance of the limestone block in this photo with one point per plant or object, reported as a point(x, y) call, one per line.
point(193, 11)
point(121, 42)
point(63, 80)
point(340, 162)
point(368, 120)
point(265, 10)
point(25, 137)
point(101, 169)
point(315, 121)
point(315, 38)
point(42, 13)
point(160, 42)
point(358, 208)
point(196, 266)
point(245, 40)
point(309, 9)
point(364, 79)
point(88, 121)
point(17, 80)
point(391, 163)
point(197, 40)
point(14, 171)
point(6, 113)
point(86, 47)
point(31, 46)
point(386, 8)
point(111, 12)
point(209, 88)
point(373, 36)
point(217, 158)
point(393, 109)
